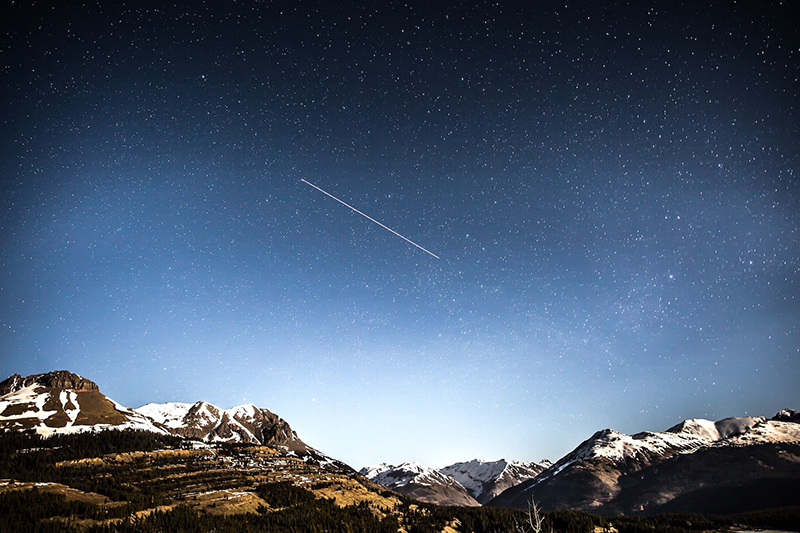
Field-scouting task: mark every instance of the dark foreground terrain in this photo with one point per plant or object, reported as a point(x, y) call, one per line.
point(139, 481)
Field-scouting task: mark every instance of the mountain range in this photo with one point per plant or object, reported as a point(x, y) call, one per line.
point(735, 464)
point(470, 483)
point(421, 483)
point(732, 465)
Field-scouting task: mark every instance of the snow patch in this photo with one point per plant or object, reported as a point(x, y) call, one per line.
point(247, 411)
point(69, 397)
point(169, 414)
point(27, 395)
point(714, 431)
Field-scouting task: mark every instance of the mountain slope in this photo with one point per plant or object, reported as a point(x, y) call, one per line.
point(616, 473)
point(486, 479)
point(418, 481)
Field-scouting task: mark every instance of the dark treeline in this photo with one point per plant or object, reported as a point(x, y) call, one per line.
point(317, 517)
point(428, 518)
point(284, 494)
point(22, 453)
point(31, 457)
point(785, 518)
point(31, 510)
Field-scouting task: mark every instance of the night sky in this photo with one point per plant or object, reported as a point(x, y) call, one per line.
point(612, 191)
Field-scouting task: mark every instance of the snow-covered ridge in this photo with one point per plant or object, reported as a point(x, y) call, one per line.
point(173, 414)
point(372, 472)
point(787, 415)
point(714, 431)
point(686, 437)
point(768, 431)
point(410, 472)
point(205, 421)
point(168, 414)
point(619, 446)
point(486, 479)
point(477, 480)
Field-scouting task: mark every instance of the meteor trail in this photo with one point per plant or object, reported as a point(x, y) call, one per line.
point(370, 218)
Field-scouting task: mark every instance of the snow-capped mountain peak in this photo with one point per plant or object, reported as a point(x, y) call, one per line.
point(787, 415)
point(419, 481)
point(247, 410)
point(372, 472)
point(486, 479)
point(64, 402)
point(686, 437)
point(409, 472)
point(205, 421)
point(168, 414)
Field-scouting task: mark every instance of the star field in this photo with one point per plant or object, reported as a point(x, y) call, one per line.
point(612, 191)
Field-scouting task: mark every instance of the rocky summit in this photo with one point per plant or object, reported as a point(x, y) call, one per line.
point(58, 379)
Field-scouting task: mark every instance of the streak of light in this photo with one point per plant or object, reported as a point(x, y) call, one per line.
point(370, 218)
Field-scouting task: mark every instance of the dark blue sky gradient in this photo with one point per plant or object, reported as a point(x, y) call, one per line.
point(612, 190)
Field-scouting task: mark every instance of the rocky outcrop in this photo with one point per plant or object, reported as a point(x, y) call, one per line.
point(266, 426)
point(58, 379)
point(787, 415)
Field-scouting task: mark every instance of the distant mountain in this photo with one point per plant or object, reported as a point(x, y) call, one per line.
point(423, 483)
point(468, 484)
point(696, 466)
point(486, 479)
point(63, 402)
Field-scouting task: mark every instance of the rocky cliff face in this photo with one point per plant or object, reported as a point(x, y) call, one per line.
point(58, 379)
